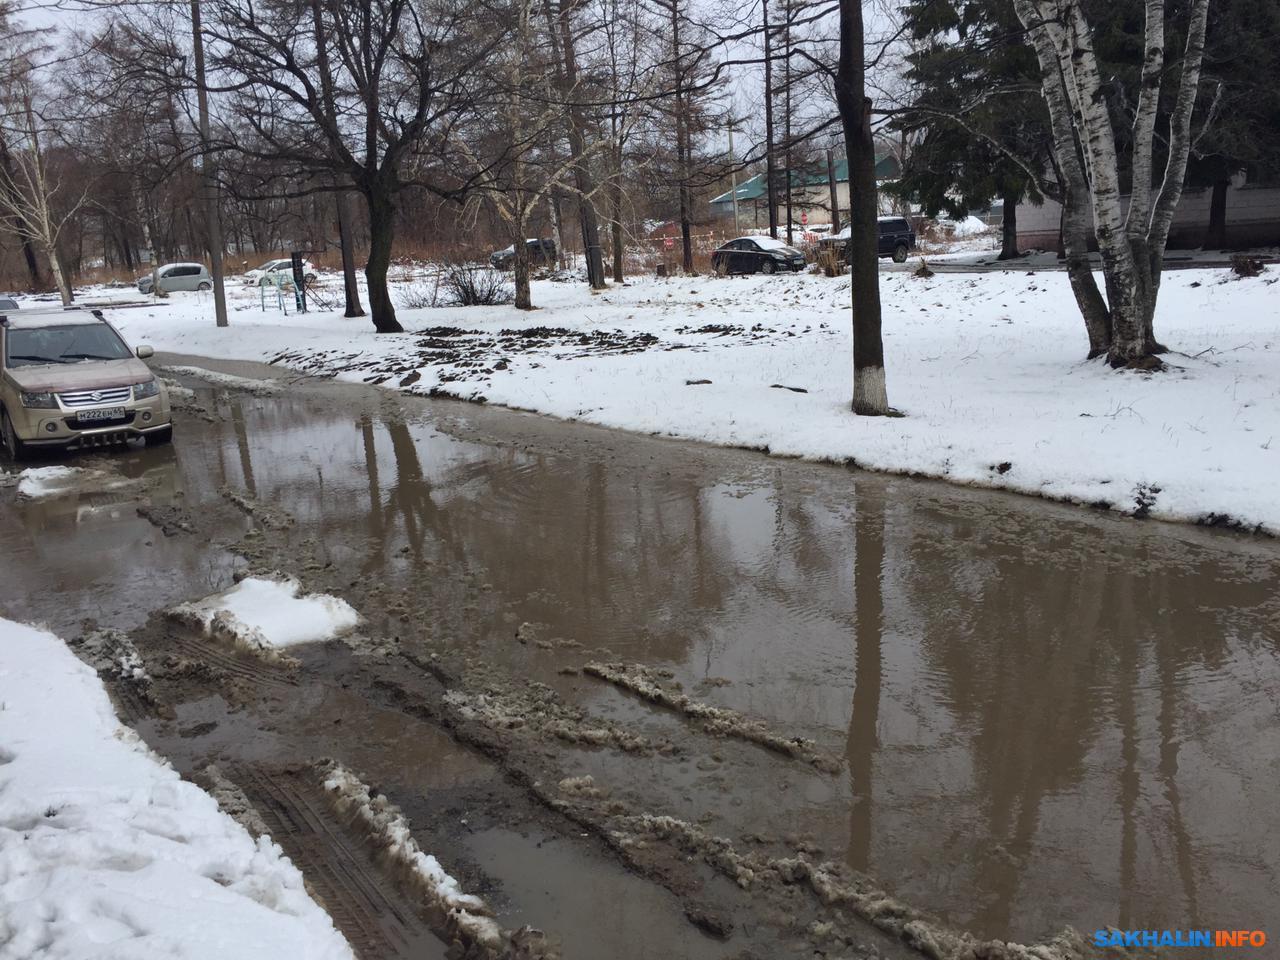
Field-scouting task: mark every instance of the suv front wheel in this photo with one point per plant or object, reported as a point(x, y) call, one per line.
point(159, 437)
point(14, 448)
point(900, 253)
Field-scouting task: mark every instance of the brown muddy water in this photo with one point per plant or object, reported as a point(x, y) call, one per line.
point(1040, 717)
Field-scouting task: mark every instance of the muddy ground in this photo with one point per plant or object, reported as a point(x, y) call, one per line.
point(658, 700)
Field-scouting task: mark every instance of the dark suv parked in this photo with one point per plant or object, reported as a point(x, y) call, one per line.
point(897, 239)
point(542, 253)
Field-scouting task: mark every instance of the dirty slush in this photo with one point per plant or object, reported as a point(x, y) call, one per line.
point(644, 699)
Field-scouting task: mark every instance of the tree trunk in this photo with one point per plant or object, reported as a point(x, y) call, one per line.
point(870, 396)
point(1072, 183)
point(1215, 237)
point(382, 211)
point(577, 145)
point(618, 275)
point(1075, 250)
point(557, 225)
point(1009, 227)
point(33, 265)
point(351, 291)
point(524, 297)
point(59, 275)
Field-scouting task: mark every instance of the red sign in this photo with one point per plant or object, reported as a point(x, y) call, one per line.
point(669, 242)
point(804, 216)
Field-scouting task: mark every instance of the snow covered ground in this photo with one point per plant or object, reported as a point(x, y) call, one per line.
point(268, 615)
point(106, 852)
point(988, 369)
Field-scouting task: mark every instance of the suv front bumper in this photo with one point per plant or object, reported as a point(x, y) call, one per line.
point(46, 427)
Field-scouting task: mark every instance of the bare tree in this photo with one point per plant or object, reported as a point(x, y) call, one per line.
point(401, 75)
point(31, 191)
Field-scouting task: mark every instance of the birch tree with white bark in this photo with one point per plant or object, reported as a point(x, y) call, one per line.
point(31, 190)
point(1131, 239)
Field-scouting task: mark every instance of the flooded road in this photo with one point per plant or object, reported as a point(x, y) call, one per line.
point(1021, 717)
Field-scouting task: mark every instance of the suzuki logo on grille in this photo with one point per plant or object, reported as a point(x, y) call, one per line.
point(96, 395)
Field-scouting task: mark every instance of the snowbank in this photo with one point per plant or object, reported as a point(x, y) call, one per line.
point(968, 227)
point(269, 615)
point(988, 367)
point(106, 852)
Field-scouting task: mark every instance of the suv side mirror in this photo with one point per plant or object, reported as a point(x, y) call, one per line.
point(144, 352)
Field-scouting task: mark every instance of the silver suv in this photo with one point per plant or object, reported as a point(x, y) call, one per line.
point(176, 276)
point(69, 380)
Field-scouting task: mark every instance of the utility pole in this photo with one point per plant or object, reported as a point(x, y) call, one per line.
point(786, 101)
point(213, 220)
point(733, 178)
point(770, 177)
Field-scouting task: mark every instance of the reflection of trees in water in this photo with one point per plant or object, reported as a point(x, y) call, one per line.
point(242, 446)
point(1040, 661)
point(576, 542)
point(863, 741)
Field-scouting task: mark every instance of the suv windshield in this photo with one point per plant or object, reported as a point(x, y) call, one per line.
point(71, 343)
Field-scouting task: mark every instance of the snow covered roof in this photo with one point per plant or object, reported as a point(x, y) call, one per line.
point(50, 318)
point(767, 243)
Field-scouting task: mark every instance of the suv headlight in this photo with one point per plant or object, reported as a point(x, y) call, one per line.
point(44, 400)
point(149, 388)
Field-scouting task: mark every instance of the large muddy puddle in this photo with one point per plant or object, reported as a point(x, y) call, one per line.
point(1038, 716)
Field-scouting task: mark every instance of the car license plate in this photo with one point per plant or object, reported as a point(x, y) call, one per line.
point(104, 413)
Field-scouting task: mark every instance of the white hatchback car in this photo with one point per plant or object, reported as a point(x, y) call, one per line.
point(176, 276)
point(273, 269)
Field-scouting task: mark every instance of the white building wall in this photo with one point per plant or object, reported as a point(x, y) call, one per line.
point(1253, 217)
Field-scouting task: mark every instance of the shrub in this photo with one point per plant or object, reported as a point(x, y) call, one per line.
point(471, 285)
point(418, 295)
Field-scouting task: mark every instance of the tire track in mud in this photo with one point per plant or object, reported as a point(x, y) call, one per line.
point(180, 654)
point(826, 902)
point(341, 870)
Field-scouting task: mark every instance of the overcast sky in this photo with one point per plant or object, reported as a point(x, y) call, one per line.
point(743, 94)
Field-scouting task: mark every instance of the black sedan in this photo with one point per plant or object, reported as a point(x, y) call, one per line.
point(756, 255)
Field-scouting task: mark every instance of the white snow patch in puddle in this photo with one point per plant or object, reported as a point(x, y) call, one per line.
point(37, 483)
point(267, 615)
point(106, 852)
point(261, 387)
